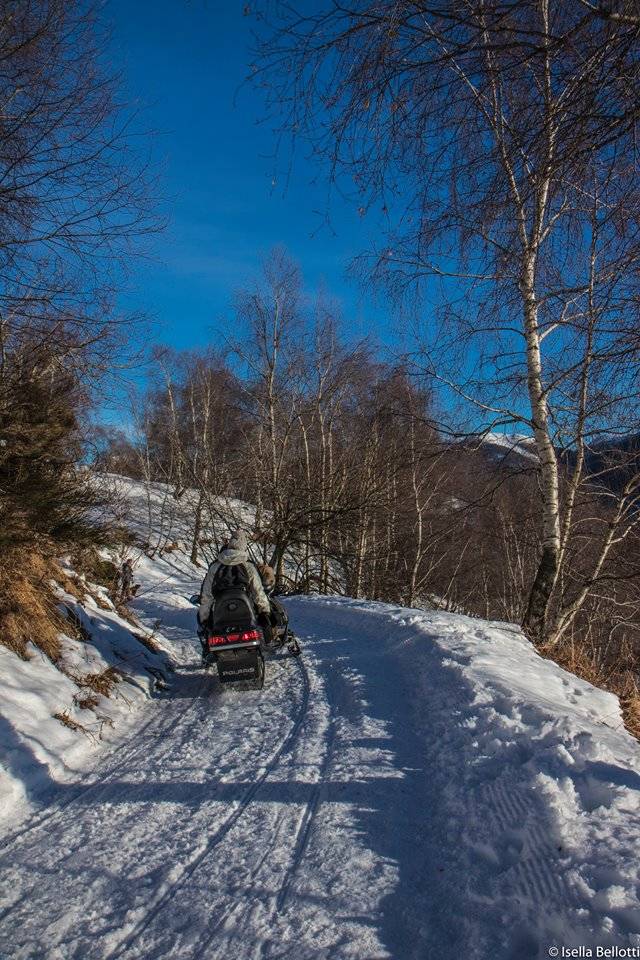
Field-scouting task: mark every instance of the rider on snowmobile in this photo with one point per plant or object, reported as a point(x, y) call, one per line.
point(278, 614)
point(235, 554)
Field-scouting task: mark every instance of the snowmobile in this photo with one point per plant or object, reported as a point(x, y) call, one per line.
point(235, 642)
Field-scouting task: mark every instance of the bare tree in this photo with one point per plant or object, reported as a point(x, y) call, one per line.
point(510, 128)
point(270, 315)
point(73, 195)
point(73, 199)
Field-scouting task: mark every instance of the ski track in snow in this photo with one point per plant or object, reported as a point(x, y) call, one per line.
point(391, 794)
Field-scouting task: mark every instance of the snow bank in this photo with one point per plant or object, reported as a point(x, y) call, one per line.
point(39, 750)
point(537, 782)
point(53, 720)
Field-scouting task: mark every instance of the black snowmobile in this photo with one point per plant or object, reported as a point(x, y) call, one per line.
point(235, 641)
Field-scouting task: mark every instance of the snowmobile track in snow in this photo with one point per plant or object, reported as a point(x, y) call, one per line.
point(306, 820)
point(200, 948)
point(223, 829)
point(124, 757)
point(529, 860)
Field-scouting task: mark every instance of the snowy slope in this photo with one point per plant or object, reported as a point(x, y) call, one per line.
point(165, 525)
point(52, 716)
point(152, 513)
point(47, 736)
point(416, 786)
point(510, 445)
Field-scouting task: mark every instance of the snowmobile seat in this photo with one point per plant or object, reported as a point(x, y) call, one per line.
point(232, 608)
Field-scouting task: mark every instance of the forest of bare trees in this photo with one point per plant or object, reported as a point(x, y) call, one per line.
point(497, 142)
point(333, 447)
point(356, 487)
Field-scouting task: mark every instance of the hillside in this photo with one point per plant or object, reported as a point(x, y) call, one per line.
point(57, 713)
point(418, 784)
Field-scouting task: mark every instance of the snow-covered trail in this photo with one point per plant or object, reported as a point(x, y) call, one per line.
point(368, 803)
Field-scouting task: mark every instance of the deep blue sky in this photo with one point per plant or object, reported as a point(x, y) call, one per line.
point(183, 64)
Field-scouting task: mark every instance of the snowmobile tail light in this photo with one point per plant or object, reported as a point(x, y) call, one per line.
point(215, 640)
point(246, 636)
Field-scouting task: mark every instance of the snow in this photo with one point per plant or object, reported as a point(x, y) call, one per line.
point(37, 751)
point(520, 444)
point(151, 511)
point(31, 693)
point(416, 785)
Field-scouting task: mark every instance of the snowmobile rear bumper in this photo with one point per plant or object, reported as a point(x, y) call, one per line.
point(246, 644)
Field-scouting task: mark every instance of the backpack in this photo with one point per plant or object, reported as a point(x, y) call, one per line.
point(233, 577)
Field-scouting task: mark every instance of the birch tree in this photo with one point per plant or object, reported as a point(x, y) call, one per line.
point(497, 139)
point(270, 317)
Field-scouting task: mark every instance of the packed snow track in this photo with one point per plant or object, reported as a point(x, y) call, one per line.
point(388, 794)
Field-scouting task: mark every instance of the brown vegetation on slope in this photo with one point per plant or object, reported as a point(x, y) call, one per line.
point(28, 607)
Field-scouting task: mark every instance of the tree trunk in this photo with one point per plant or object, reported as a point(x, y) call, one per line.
point(535, 619)
point(197, 527)
point(277, 561)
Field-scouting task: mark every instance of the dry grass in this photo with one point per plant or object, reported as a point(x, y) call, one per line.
point(67, 721)
point(74, 627)
point(71, 585)
point(630, 702)
point(102, 683)
point(576, 661)
point(170, 547)
point(618, 677)
point(28, 607)
point(123, 611)
point(147, 641)
point(85, 701)
point(95, 569)
point(100, 601)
